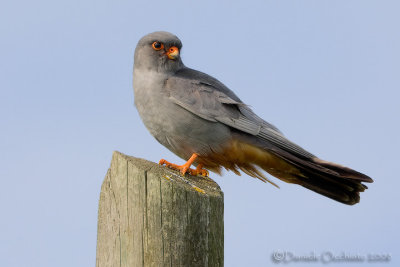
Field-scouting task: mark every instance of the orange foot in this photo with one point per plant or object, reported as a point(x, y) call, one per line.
point(186, 167)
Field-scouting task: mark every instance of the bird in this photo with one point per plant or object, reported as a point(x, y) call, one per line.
point(205, 123)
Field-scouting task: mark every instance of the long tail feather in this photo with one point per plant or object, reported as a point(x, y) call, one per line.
point(330, 179)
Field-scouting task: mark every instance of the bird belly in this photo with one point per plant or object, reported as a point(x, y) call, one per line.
point(239, 155)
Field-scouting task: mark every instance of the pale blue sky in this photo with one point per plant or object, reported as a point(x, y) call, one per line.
point(327, 73)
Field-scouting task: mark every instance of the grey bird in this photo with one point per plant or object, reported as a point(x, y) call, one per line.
point(202, 121)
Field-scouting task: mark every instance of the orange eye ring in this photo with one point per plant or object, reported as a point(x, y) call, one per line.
point(157, 46)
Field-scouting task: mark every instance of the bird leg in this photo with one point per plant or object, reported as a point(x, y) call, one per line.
point(186, 167)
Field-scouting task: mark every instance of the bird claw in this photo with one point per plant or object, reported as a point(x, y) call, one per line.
point(185, 168)
point(199, 171)
point(172, 166)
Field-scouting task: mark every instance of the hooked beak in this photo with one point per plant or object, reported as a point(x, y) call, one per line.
point(173, 52)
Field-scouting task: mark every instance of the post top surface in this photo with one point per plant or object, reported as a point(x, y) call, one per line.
point(203, 185)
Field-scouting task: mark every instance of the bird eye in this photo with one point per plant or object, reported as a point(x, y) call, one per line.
point(157, 46)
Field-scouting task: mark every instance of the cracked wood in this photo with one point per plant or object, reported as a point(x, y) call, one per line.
point(151, 216)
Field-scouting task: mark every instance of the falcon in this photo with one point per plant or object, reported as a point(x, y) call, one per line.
point(202, 121)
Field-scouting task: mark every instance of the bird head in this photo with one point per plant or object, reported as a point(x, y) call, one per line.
point(159, 51)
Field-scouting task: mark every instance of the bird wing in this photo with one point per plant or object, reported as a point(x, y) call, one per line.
point(209, 99)
point(206, 97)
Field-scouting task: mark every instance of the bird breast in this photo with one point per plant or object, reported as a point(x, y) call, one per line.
point(179, 130)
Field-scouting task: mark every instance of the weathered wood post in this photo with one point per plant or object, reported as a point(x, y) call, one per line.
point(151, 216)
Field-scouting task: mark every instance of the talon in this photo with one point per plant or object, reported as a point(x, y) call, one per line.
point(186, 167)
point(205, 173)
point(169, 164)
point(200, 171)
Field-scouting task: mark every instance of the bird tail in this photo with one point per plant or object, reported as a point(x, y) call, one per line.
point(327, 178)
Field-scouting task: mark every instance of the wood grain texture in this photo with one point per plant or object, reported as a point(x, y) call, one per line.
point(151, 216)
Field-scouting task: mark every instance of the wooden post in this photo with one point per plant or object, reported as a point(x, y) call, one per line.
point(149, 215)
